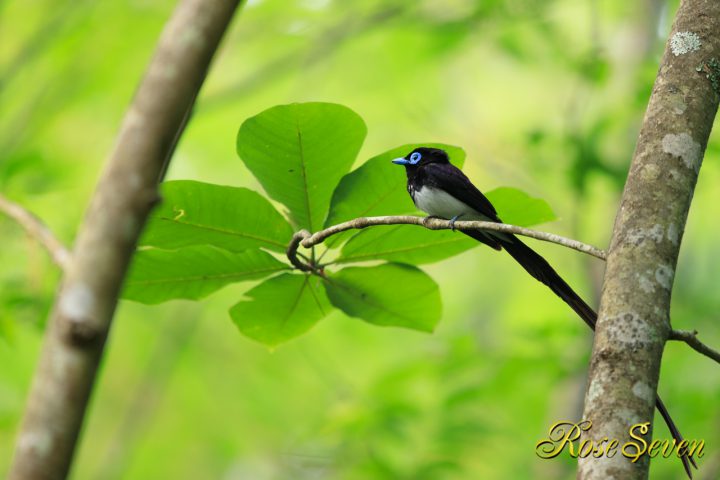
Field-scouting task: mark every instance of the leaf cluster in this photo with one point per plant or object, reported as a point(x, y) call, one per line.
point(205, 236)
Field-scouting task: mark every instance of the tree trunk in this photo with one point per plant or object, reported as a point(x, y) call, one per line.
point(633, 322)
point(84, 307)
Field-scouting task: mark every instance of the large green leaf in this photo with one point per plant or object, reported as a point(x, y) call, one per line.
point(411, 244)
point(405, 244)
point(281, 308)
point(378, 187)
point(299, 152)
point(518, 208)
point(196, 213)
point(389, 295)
point(193, 272)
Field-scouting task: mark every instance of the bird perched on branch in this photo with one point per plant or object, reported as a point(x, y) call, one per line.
point(440, 189)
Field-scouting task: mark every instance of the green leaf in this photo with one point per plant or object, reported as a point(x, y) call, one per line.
point(193, 272)
point(281, 308)
point(404, 244)
point(378, 187)
point(391, 294)
point(196, 213)
point(518, 208)
point(299, 152)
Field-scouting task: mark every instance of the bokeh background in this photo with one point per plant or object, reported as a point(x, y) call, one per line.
point(544, 95)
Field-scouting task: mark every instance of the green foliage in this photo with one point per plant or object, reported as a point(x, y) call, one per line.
point(518, 208)
point(193, 272)
point(392, 294)
point(404, 243)
point(281, 308)
point(298, 153)
point(195, 213)
point(348, 401)
point(206, 236)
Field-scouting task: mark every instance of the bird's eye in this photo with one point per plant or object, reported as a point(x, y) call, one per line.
point(415, 157)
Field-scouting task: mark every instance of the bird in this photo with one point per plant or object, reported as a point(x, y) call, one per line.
point(440, 189)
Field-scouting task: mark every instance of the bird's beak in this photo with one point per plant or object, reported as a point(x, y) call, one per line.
point(401, 161)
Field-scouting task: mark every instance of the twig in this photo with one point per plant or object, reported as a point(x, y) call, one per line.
point(308, 240)
point(690, 337)
point(292, 252)
point(36, 229)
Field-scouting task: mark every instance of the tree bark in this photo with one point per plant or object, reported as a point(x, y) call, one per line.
point(127, 190)
point(633, 323)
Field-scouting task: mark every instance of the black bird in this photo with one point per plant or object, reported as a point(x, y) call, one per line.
point(440, 189)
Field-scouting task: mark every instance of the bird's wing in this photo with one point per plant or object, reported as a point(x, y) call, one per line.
point(452, 180)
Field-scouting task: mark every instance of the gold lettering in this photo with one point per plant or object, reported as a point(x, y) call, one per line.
point(696, 448)
point(561, 434)
point(603, 447)
point(599, 451)
point(666, 444)
point(582, 451)
point(567, 434)
point(639, 448)
point(682, 448)
point(612, 448)
point(654, 448)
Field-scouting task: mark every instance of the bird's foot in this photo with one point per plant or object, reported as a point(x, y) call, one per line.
point(452, 222)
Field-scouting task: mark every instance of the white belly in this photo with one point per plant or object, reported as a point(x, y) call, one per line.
point(440, 204)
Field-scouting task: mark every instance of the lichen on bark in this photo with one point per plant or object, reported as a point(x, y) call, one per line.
point(633, 323)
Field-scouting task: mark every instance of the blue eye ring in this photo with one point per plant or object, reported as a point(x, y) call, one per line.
point(415, 157)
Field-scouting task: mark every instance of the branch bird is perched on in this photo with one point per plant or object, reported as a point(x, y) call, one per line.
point(440, 189)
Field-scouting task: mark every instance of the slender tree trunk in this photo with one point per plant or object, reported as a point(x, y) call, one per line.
point(634, 309)
point(84, 307)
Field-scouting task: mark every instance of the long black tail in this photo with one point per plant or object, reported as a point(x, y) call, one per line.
point(539, 268)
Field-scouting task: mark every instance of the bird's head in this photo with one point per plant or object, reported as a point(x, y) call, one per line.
point(423, 156)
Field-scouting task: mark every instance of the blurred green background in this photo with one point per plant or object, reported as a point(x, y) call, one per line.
point(544, 95)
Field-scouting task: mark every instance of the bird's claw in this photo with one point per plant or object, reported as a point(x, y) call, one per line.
point(452, 222)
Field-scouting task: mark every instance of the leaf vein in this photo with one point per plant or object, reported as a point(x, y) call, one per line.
point(294, 306)
point(365, 299)
point(218, 276)
point(222, 230)
point(304, 173)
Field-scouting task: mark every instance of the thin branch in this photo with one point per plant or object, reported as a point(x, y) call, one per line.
point(37, 230)
point(292, 252)
point(690, 337)
point(308, 240)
